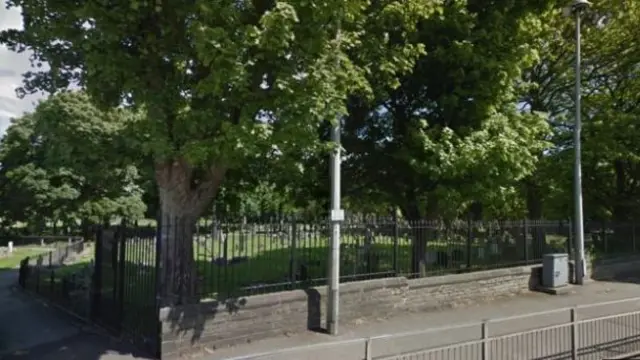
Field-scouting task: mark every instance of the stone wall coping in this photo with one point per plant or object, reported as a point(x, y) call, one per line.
point(470, 277)
point(616, 260)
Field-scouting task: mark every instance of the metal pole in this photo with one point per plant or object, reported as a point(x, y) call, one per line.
point(574, 334)
point(485, 340)
point(337, 215)
point(577, 169)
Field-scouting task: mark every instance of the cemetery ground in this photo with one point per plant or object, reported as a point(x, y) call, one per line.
point(242, 263)
point(246, 259)
point(11, 260)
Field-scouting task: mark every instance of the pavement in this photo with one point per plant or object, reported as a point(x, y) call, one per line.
point(31, 330)
point(463, 323)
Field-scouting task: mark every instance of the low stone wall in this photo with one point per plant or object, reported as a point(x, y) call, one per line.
point(613, 268)
point(203, 327)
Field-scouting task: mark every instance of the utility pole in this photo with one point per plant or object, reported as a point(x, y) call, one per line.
point(577, 9)
point(336, 218)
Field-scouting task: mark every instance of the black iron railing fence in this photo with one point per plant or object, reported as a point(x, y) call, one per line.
point(243, 258)
point(60, 276)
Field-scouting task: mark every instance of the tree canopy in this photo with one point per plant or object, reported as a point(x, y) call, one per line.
point(449, 108)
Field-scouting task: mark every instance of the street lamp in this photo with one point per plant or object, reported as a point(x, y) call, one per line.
point(577, 8)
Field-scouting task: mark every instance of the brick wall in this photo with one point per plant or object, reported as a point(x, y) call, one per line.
point(204, 327)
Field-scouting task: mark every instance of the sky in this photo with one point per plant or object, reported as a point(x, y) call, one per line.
point(12, 66)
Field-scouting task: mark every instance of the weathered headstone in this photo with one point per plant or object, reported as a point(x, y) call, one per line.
point(10, 247)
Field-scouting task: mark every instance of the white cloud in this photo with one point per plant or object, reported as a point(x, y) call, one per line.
point(12, 66)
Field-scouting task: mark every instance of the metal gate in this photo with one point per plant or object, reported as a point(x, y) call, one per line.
point(124, 286)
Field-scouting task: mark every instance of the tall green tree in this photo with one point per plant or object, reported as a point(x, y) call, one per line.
point(63, 162)
point(608, 76)
point(218, 81)
point(451, 135)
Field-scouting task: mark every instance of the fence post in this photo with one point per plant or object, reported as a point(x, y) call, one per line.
point(367, 349)
point(603, 234)
point(525, 234)
point(52, 283)
point(121, 241)
point(292, 256)
point(38, 266)
point(159, 291)
point(574, 334)
point(225, 256)
point(469, 241)
point(96, 278)
point(633, 237)
point(396, 235)
point(485, 340)
point(570, 240)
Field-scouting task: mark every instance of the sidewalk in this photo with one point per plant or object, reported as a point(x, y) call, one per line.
point(30, 330)
point(595, 292)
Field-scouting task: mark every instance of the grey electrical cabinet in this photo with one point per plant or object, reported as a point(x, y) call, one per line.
point(555, 270)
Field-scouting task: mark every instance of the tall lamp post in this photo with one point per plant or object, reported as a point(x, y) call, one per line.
point(577, 8)
point(336, 216)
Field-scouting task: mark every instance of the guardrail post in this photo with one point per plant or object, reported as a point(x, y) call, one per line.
point(485, 340)
point(574, 334)
point(367, 349)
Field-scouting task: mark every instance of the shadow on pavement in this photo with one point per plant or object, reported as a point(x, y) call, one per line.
point(82, 346)
point(31, 329)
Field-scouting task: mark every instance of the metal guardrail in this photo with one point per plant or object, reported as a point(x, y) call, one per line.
point(627, 356)
point(596, 338)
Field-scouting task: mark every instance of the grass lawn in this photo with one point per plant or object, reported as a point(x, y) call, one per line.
point(12, 261)
point(256, 262)
point(260, 261)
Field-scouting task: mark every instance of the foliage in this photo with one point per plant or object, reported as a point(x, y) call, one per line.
point(610, 113)
point(63, 163)
point(450, 134)
point(218, 81)
point(449, 108)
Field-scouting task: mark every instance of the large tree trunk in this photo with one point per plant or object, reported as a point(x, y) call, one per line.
point(183, 198)
point(420, 230)
point(419, 239)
